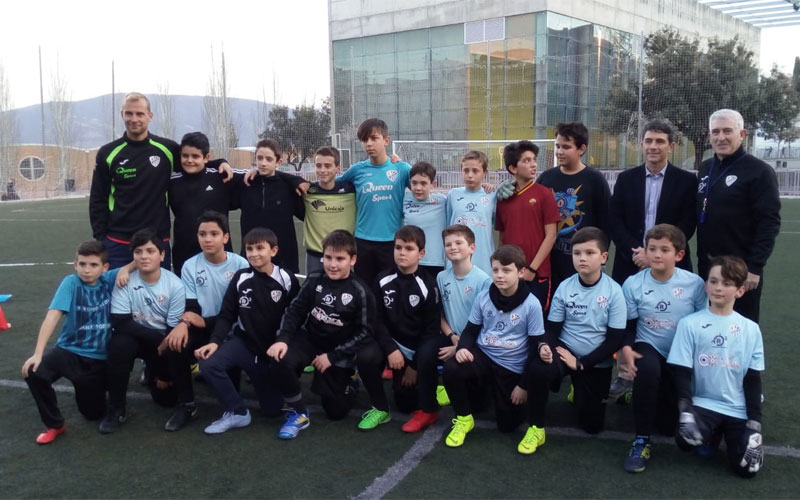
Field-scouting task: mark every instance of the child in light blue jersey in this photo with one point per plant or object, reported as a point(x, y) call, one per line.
point(656, 298)
point(473, 207)
point(427, 210)
point(380, 186)
point(717, 356)
point(586, 325)
point(142, 312)
point(80, 351)
point(495, 347)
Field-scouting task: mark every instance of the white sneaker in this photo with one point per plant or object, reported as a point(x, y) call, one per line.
point(228, 421)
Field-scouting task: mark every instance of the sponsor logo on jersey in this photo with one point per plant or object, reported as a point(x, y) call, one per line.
point(125, 161)
point(209, 188)
point(328, 299)
point(704, 359)
point(648, 292)
point(138, 287)
point(244, 300)
point(346, 298)
point(573, 295)
point(730, 180)
point(662, 306)
point(317, 204)
point(323, 317)
point(155, 160)
point(413, 300)
point(705, 326)
point(471, 206)
point(276, 295)
point(718, 341)
point(391, 175)
point(701, 186)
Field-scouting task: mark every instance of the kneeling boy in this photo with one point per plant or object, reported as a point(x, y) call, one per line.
point(718, 356)
point(253, 304)
point(495, 346)
point(585, 328)
point(327, 326)
point(80, 351)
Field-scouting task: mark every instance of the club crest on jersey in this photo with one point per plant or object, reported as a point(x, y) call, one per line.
point(735, 330)
point(730, 180)
point(155, 160)
point(678, 292)
point(346, 298)
point(484, 199)
point(276, 295)
point(228, 275)
point(328, 299)
point(162, 299)
point(602, 302)
point(468, 290)
point(515, 318)
point(391, 175)
point(413, 300)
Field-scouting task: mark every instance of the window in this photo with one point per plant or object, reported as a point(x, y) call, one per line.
point(31, 168)
point(485, 31)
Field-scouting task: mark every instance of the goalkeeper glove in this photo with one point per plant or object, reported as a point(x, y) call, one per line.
point(753, 457)
point(505, 190)
point(687, 427)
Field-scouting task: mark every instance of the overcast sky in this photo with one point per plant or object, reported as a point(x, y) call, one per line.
point(170, 41)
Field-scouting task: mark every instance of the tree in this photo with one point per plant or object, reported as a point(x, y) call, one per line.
point(8, 130)
point(779, 101)
point(62, 126)
point(796, 73)
point(217, 119)
point(165, 111)
point(685, 84)
point(299, 131)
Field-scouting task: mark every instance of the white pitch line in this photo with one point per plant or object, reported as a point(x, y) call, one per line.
point(44, 220)
point(26, 264)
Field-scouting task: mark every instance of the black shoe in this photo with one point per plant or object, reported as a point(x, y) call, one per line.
point(182, 415)
point(111, 422)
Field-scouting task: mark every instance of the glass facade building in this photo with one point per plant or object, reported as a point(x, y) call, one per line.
point(501, 79)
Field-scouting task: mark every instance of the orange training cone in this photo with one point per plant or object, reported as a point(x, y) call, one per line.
point(4, 325)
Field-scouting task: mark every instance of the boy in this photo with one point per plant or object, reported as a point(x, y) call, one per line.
point(428, 211)
point(142, 312)
point(329, 325)
point(656, 298)
point(503, 331)
point(528, 218)
point(330, 204)
point(254, 302)
point(581, 193)
point(197, 189)
point(586, 325)
point(80, 351)
point(380, 186)
point(271, 201)
point(717, 356)
point(408, 329)
point(206, 277)
point(473, 207)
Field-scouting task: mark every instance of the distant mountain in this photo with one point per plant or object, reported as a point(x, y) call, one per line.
point(92, 120)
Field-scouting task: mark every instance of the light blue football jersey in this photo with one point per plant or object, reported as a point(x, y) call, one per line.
point(379, 197)
point(504, 335)
point(158, 306)
point(458, 295)
point(431, 216)
point(720, 350)
point(207, 282)
point(587, 312)
point(659, 305)
point(474, 209)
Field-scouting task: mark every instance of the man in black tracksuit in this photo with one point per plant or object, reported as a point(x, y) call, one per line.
point(253, 306)
point(738, 207)
point(329, 325)
point(409, 316)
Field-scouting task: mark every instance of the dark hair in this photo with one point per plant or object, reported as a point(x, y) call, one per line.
point(513, 152)
point(329, 151)
point(93, 247)
point(461, 230)
point(731, 268)
point(672, 233)
point(660, 125)
point(340, 240)
point(588, 234)
point(145, 236)
point(196, 140)
point(509, 254)
point(576, 131)
point(369, 126)
point(411, 234)
point(423, 168)
point(480, 156)
point(212, 216)
point(270, 144)
point(260, 235)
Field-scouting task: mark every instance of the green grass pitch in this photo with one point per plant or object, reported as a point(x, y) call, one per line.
point(333, 459)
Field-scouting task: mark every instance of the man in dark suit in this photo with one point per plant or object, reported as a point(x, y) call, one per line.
point(654, 193)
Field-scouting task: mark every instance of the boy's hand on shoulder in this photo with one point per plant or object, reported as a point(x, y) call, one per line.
point(640, 258)
point(489, 188)
point(302, 188)
point(321, 362)
point(464, 356)
point(34, 361)
point(396, 360)
point(226, 170)
point(206, 351)
point(249, 176)
point(567, 357)
point(446, 353)
point(395, 158)
point(506, 189)
point(277, 350)
point(545, 353)
point(123, 276)
point(519, 396)
point(178, 337)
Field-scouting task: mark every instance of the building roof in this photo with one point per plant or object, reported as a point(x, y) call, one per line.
point(760, 13)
